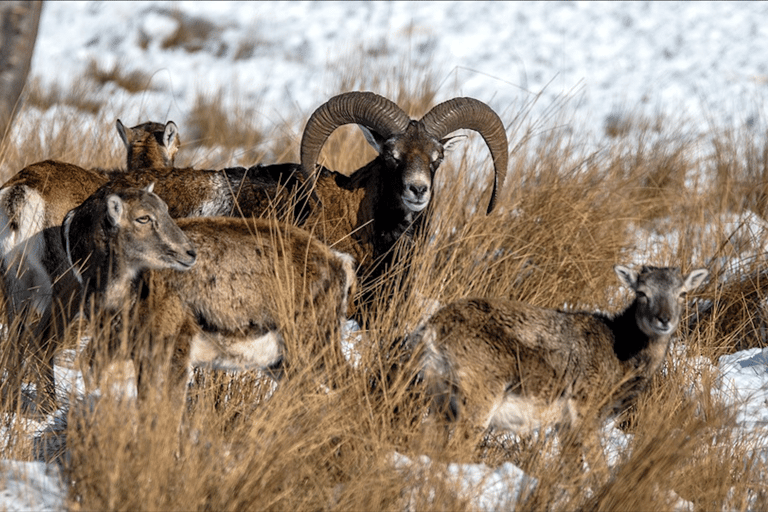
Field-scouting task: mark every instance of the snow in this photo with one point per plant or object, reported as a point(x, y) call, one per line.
point(744, 382)
point(487, 488)
point(703, 61)
point(30, 486)
point(697, 59)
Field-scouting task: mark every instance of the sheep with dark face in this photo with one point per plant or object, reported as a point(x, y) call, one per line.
point(367, 212)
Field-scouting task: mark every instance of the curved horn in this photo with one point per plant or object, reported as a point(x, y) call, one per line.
point(366, 108)
point(474, 115)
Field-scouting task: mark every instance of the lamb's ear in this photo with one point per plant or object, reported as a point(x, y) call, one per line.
point(123, 133)
point(695, 278)
point(626, 276)
point(114, 209)
point(451, 142)
point(373, 138)
point(171, 137)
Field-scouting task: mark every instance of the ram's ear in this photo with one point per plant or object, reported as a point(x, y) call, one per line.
point(373, 138)
point(115, 209)
point(451, 142)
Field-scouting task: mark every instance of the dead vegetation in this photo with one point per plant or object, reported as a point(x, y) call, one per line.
point(132, 81)
point(568, 210)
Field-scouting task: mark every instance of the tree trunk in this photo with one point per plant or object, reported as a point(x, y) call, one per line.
point(18, 30)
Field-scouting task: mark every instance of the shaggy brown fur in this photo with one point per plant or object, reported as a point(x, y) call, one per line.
point(509, 365)
point(32, 205)
point(150, 144)
point(248, 274)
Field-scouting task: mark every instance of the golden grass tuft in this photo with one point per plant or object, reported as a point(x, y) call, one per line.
point(567, 214)
point(192, 33)
point(78, 96)
point(228, 133)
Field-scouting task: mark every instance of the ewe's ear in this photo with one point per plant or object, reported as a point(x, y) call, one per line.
point(123, 133)
point(114, 209)
point(171, 137)
point(626, 276)
point(695, 278)
point(374, 139)
point(451, 142)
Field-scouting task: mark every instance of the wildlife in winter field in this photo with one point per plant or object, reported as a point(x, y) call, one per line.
point(384, 255)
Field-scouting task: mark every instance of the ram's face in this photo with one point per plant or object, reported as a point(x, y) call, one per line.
point(413, 157)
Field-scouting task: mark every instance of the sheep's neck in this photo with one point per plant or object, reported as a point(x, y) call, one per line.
point(634, 348)
point(114, 284)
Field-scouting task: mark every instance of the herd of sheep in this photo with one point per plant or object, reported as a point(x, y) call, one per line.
point(183, 264)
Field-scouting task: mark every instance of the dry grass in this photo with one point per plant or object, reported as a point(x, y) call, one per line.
point(132, 81)
point(78, 96)
point(567, 215)
point(57, 140)
point(228, 133)
point(192, 33)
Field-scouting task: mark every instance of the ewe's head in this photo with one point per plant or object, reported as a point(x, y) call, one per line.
point(128, 229)
point(150, 145)
point(148, 236)
point(660, 295)
point(411, 150)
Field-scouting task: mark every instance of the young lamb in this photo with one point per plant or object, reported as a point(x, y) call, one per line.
point(512, 366)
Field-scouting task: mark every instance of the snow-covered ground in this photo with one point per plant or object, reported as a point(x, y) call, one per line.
point(703, 61)
point(698, 60)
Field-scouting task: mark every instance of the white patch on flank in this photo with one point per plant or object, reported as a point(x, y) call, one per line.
point(29, 282)
point(244, 354)
point(221, 201)
point(524, 414)
point(211, 208)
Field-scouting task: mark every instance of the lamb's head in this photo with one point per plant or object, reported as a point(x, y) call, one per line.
point(150, 145)
point(659, 295)
point(125, 231)
point(411, 150)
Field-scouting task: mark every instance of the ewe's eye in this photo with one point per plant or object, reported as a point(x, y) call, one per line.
point(143, 219)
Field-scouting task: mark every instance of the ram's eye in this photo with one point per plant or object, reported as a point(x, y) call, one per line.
point(143, 219)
